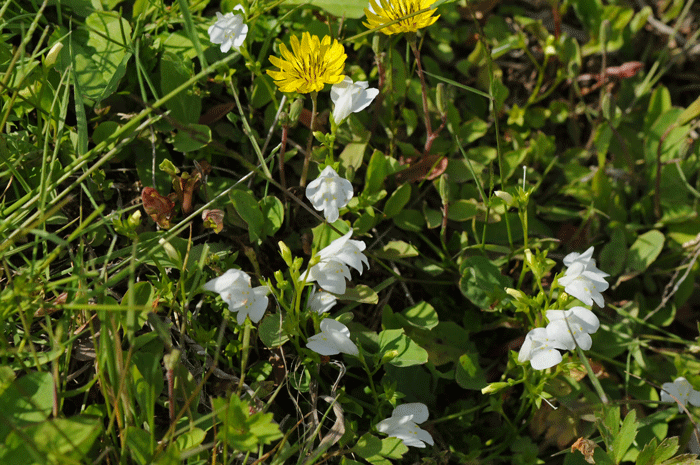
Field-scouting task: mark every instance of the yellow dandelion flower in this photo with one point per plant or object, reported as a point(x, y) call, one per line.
point(310, 65)
point(381, 12)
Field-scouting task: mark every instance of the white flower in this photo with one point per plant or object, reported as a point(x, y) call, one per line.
point(321, 301)
point(540, 348)
point(332, 268)
point(584, 281)
point(682, 390)
point(351, 97)
point(586, 259)
point(234, 289)
point(229, 30)
point(347, 251)
point(329, 192)
point(402, 424)
point(330, 275)
point(572, 325)
point(333, 339)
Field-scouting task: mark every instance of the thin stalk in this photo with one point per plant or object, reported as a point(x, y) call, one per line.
point(309, 143)
point(591, 375)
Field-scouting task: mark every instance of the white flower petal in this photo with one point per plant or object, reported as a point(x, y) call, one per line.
point(321, 301)
point(230, 278)
point(349, 97)
point(546, 358)
point(417, 410)
point(333, 339)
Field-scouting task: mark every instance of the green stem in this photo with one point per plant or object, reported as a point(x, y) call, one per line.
point(594, 379)
point(309, 143)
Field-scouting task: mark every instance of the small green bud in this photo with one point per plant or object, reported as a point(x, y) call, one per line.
point(167, 166)
point(444, 189)
point(52, 56)
point(440, 98)
point(493, 388)
point(286, 253)
point(506, 197)
point(389, 356)
point(295, 111)
point(134, 220)
point(172, 359)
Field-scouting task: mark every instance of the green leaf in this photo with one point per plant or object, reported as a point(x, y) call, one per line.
point(241, 430)
point(623, 440)
point(192, 138)
point(186, 106)
point(376, 172)
point(68, 438)
point(98, 55)
point(27, 400)
point(271, 330)
point(482, 282)
point(468, 373)
point(338, 8)
point(352, 155)
point(461, 210)
point(614, 253)
point(360, 293)
point(139, 443)
point(397, 201)
point(421, 315)
point(408, 353)
point(273, 214)
point(396, 250)
point(247, 207)
point(410, 220)
point(645, 250)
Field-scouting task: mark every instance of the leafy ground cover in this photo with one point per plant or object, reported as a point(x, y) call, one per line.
point(349, 232)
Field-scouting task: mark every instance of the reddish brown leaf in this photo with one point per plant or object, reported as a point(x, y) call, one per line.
point(215, 113)
point(428, 167)
point(159, 208)
point(213, 219)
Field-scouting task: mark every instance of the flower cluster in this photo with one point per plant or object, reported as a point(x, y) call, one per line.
point(331, 268)
point(681, 392)
point(329, 192)
point(403, 424)
point(229, 30)
point(234, 289)
point(568, 329)
point(582, 279)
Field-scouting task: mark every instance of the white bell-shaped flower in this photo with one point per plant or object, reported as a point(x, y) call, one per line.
point(540, 348)
point(321, 301)
point(350, 97)
point(234, 288)
point(403, 424)
point(573, 327)
point(229, 30)
point(682, 390)
point(329, 193)
point(585, 282)
point(332, 269)
point(333, 339)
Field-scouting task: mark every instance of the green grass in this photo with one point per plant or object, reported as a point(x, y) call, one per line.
point(113, 351)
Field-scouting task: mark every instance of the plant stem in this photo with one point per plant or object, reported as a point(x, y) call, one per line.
point(309, 143)
point(594, 380)
point(431, 136)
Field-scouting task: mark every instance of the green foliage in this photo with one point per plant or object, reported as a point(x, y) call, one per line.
point(530, 134)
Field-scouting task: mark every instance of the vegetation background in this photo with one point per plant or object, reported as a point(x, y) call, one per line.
point(138, 161)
